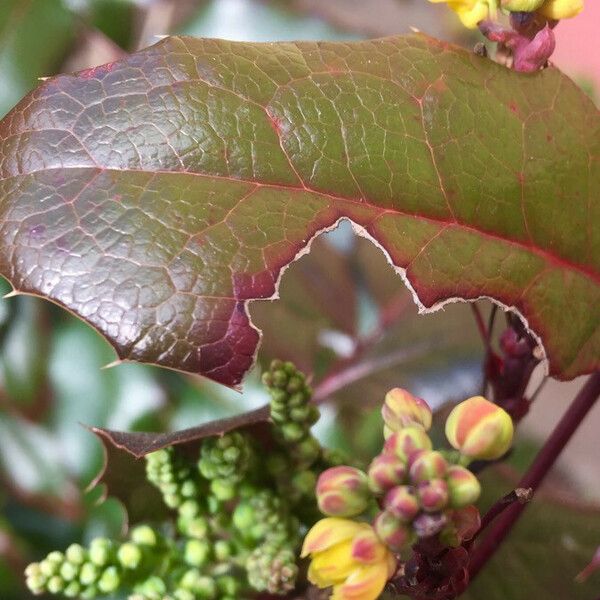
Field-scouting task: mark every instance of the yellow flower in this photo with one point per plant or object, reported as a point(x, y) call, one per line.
point(348, 556)
point(561, 9)
point(470, 12)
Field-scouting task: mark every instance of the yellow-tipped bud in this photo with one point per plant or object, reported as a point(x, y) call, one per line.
point(463, 487)
point(385, 472)
point(402, 409)
point(480, 429)
point(406, 442)
point(426, 465)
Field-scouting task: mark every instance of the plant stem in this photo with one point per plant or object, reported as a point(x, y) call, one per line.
point(544, 461)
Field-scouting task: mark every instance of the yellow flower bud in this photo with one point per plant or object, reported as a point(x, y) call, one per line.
point(470, 12)
point(480, 429)
point(561, 9)
point(343, 492)
point(402, 409)
point(349, 557)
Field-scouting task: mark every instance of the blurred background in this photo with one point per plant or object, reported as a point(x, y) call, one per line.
point(342, 310)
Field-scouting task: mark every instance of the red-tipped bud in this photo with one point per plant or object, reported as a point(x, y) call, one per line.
point(402, 502)
point(479, 429)
point(392, 532)
point(426, 465)
point(343, 492)
point(433, 495)
point(406, 442)
point(402, 409)
point(385, 472)
point(463, 487)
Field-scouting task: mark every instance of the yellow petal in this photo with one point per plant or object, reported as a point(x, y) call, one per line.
point(561, 9)
point(365, 583)
point(334, 564)
point(470, 15)
point(367, 548)
point(327, 532)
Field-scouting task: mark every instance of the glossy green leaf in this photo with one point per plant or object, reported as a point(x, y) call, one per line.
point(154, 197)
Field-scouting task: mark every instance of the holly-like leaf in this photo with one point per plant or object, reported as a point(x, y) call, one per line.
point(154, 197)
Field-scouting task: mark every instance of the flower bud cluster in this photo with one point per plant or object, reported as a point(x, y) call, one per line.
point(97, 570)
point(239, 519)
point(417, 492)
point(291, 409)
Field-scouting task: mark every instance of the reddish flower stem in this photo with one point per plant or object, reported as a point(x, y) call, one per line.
point(544, 461)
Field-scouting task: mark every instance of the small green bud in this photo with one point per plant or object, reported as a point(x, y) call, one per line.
point(304, 482)
point(223, 489)
point(228, 585)
point(49, 567)
point(33, 570)
point(144, 535)
point(36, 583)
point(306, 451)
point(100, 551)
point(189, 509)
point(293, 432)
point(196, 552)
point(222, 550)
point(129, 555)
point(196, 528)
point(75, 554)
point(68, 571)
point(89, 592)
point(72, 590)
point(243, 516)
point(89, 573)
point(181, 594)
point(55, 584)
point(109, 580)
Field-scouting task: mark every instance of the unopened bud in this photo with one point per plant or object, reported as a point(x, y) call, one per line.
point(402, 502)
point(433, 495)
point(480, 429)
point(392, 532)
point(100, 551)
point(561, 9)
point(343, 492)
point(109, 580)
point(196, 552)
point(385, 472)
point(75, 554)
point(129, 555)
point(402, 409)
point(463, 487)
point(406, 442)
point(427, 465)
point(144, 535)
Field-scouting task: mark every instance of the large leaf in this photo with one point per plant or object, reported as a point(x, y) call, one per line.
point(156, 196)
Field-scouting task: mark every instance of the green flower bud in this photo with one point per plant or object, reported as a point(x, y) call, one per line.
point(426, 465)
point(223, 489)
point(36, 583)
point(343, 492)
point(76, 554)
point(433, 495)
point(402, 503)
point(109, 581)
point(89, 573)
point(406, 442)
point(228, 585)
point(100, 551)
point(89, 592)
point(196, 552)
point(195, 528)
point(223, 550)
point(181, 594)
point(144, 535)
point(33, 570)
point(293, 432)
point(49, 567)
point(392, 532)
point(306, 451)
point(463, 487)
point(55, 585)
point(304, 482)
point(129, 555)
point(72, 590)
point(68, 571)
point(385, 472)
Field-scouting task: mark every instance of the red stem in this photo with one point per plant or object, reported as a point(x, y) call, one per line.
point(544, 461)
